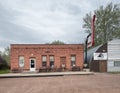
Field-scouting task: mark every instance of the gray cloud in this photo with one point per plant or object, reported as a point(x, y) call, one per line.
point(43, 21)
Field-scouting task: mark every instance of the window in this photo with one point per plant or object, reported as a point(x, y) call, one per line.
point(117, 63)
point(44, 61)
point(73, 60)
point(21, 61)
point(51, 61)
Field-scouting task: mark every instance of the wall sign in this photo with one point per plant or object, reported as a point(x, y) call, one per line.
point(100, 56)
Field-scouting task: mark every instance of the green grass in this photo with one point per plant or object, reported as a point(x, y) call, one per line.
point(4, 71)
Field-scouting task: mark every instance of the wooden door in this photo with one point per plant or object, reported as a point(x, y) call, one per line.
point(103, 66)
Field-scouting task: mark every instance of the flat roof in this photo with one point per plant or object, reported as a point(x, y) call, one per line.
point(41, 44)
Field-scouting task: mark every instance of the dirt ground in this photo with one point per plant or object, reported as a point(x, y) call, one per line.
point(97, 83)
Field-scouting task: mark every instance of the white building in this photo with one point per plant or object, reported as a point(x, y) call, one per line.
point(113, 62)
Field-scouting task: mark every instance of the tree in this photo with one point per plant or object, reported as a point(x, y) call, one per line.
point(7, 51)
point(5, 56)
point(4, 59)
point(3, 63)
point(107, 26)
point(56, 42)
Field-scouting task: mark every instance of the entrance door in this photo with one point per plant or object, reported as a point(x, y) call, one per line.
point(103, 66)
point(32, 64)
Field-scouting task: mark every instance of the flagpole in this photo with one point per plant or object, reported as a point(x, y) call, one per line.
point(93, 29)
point(86, 42)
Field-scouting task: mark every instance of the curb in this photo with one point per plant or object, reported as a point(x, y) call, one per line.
point(53, 74)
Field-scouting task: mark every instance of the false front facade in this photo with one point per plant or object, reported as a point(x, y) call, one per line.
point(35, 57)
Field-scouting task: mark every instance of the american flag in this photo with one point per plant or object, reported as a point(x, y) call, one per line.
point(91, 37)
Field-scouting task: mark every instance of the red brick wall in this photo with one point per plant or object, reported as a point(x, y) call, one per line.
point(37, 50)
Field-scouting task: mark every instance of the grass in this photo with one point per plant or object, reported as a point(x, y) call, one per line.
point(4, 71)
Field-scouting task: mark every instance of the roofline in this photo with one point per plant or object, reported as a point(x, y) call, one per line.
point(41, 44)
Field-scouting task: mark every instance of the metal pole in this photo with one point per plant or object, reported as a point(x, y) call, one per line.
point(86, 42)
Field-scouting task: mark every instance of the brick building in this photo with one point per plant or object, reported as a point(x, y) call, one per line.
point(32, 57)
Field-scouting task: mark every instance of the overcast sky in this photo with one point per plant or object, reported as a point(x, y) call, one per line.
point(43, 21)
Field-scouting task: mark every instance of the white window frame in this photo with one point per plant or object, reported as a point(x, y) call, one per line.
point(73, 60)
point(21, 61)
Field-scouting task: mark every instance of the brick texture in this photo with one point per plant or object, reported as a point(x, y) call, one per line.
point(36, 51)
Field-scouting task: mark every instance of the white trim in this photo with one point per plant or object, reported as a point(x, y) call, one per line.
point(100, 56)
point(32, 69)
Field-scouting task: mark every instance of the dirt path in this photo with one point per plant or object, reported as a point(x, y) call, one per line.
point(97, 83)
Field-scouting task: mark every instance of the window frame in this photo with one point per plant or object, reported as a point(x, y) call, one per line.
point(115, 64)
point(21, 60)
point(52, 61)
point(73, 62)
point(44, 62)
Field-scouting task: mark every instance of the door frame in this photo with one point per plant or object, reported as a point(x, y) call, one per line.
point(32, 69)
